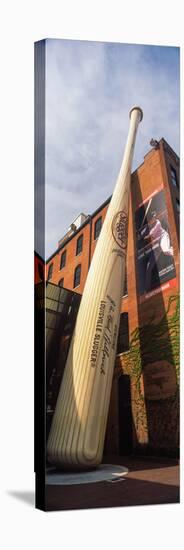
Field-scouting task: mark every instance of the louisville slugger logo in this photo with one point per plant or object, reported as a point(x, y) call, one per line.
point(105, 334)
point(120, 229)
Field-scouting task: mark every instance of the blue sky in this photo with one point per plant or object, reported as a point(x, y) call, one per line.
point(90, 88)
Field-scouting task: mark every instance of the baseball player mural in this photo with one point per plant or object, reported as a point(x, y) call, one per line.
point(154, 248)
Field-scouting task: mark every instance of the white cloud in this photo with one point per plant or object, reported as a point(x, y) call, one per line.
point(90, 88)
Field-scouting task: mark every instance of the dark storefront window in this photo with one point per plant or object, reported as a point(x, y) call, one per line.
point(77, 276)
point(98, 226)
point(123, 336)
point(61, 282)
point(79, 245)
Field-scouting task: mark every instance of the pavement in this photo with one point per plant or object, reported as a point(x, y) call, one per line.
point(150, 480)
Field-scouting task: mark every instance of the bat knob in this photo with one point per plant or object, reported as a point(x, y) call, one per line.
point(137, 109)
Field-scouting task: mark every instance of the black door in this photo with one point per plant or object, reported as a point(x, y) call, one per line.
point(125, 415)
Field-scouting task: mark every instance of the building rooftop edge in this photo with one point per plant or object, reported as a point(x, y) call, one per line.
point(90, 216)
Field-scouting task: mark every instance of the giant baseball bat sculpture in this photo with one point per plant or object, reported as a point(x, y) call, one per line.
point(76, 438)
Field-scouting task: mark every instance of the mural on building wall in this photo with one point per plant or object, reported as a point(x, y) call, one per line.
point(155, 260)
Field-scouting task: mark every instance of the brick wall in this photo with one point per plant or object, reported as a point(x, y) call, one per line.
point(72, 261)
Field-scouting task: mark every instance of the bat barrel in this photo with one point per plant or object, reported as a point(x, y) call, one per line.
point(77, 433)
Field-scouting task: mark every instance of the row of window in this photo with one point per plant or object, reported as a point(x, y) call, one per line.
point(77, 273)
point(79, 246)
point(78, 251)
point(76, 279)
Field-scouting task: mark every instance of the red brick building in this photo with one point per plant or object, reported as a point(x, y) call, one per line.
point(146, 378)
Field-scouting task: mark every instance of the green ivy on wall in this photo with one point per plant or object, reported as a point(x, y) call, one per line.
point(156, 341)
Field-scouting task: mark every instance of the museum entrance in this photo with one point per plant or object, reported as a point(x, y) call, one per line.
point(125, 415)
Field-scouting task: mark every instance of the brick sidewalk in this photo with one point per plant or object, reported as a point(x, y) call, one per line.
point(149, 481)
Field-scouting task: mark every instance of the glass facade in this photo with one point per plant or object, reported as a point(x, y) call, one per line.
point(60, 307)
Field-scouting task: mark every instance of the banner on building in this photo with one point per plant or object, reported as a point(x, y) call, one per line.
point(155, 260)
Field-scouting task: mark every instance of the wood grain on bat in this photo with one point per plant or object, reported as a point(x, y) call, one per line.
point(77, 433)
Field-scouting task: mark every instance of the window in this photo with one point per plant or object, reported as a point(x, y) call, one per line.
point(40, 271)
point(98, 226)
point(174, 176)
point(61, 282)
point(125, 289)
point(123, 336)
point(178, 205)
point(50, 271)
point(63, 260)
point(77, 275)
point(79, 245)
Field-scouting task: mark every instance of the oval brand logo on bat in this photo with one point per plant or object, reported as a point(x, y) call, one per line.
point(120, 229)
